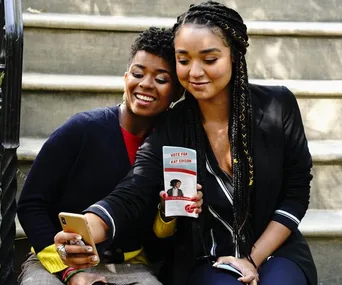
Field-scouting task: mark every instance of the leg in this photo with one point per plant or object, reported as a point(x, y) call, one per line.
point(34, 273)
point(205, 274)
point(126, 273)
point(281, 271)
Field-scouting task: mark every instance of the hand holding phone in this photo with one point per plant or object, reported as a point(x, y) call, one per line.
point(77, 223)
point(230, 267)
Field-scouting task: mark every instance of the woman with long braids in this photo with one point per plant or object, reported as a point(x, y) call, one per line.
point(253, 163)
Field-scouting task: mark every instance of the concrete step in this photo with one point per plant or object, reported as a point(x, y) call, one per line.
point(326, 185)
point(323, 231)
point(99, 45)
point(49, 100)
point(291, 10)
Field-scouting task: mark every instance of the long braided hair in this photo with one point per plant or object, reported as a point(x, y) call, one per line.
point(228, 24)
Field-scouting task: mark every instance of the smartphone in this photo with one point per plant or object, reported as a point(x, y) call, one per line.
point(77, 223)
point(230, 267)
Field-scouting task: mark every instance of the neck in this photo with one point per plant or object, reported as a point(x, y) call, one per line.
point(137, 125)
point(215, 113)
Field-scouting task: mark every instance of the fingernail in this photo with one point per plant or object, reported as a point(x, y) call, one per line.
point(78, 237)
point(164, 196)
point(89, 249)
point(215, 264)
point(94, 258)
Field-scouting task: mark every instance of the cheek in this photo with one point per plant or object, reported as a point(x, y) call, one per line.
point(181, 72)
point(131, 83)
point(219, 72)
point(166, 92)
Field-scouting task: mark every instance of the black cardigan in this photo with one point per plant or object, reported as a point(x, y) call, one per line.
point(282, 182)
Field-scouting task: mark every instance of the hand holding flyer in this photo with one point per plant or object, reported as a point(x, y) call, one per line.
point(180, 180)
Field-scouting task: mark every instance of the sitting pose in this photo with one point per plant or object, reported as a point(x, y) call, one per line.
point(83, 161)
point(253, 164)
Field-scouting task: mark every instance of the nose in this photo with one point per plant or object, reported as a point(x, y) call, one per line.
point(146, 82)
point(196, 70)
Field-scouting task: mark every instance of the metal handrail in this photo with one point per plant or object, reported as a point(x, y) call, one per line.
point(11, 61)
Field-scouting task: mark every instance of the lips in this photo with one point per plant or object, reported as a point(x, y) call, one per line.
point(198, 83)
point(144, 97)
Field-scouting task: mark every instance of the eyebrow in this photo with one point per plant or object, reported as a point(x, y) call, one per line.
point(159, 70)
point(204, 51)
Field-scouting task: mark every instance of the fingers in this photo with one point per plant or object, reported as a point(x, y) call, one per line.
point(78, 249)
point(223, 259)
point(250, 278)
point(163, 195)
point(81, 261)
point(199, 186)
point(63, 238)
point(198, 199)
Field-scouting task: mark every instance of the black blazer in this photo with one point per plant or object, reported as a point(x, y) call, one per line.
point(282, 181)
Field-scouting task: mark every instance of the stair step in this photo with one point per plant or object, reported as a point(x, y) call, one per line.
point(329, 151)
point(327, 10)
point(73, 44)
point(96, 83)
point(322, 223)
point(325, 186)
point(138, 24)
point(316, 223)
point(69, 94)
point(81, 83)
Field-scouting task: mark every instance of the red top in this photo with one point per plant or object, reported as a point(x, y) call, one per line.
point(132, 143)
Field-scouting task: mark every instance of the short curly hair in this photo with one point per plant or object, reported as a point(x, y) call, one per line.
point(158, 41)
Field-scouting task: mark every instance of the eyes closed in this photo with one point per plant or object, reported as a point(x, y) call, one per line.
point(162, 77)
point(185, 61)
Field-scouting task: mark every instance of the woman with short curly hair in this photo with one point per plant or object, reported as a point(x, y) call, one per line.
point(83, 161)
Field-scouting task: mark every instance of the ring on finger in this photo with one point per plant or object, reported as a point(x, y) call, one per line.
point(61, 251)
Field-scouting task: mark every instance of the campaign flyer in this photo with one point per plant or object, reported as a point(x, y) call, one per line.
point(180, 180)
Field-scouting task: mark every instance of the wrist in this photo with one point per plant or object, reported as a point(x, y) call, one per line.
point(250, 259)
point(256, 259)
point(68, 273)
point(59, 274)
point(162, 214)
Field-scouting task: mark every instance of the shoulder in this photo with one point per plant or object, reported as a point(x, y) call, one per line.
point(81, 123)
point(88, 119)
point(273, 99)
point(272, 93)
point(96, 116)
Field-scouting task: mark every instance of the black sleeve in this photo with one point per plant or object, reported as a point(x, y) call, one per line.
point(297, 165)
point(138, 191)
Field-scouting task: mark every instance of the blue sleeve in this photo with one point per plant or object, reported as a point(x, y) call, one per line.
point(137, 193)
point(46, 180)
